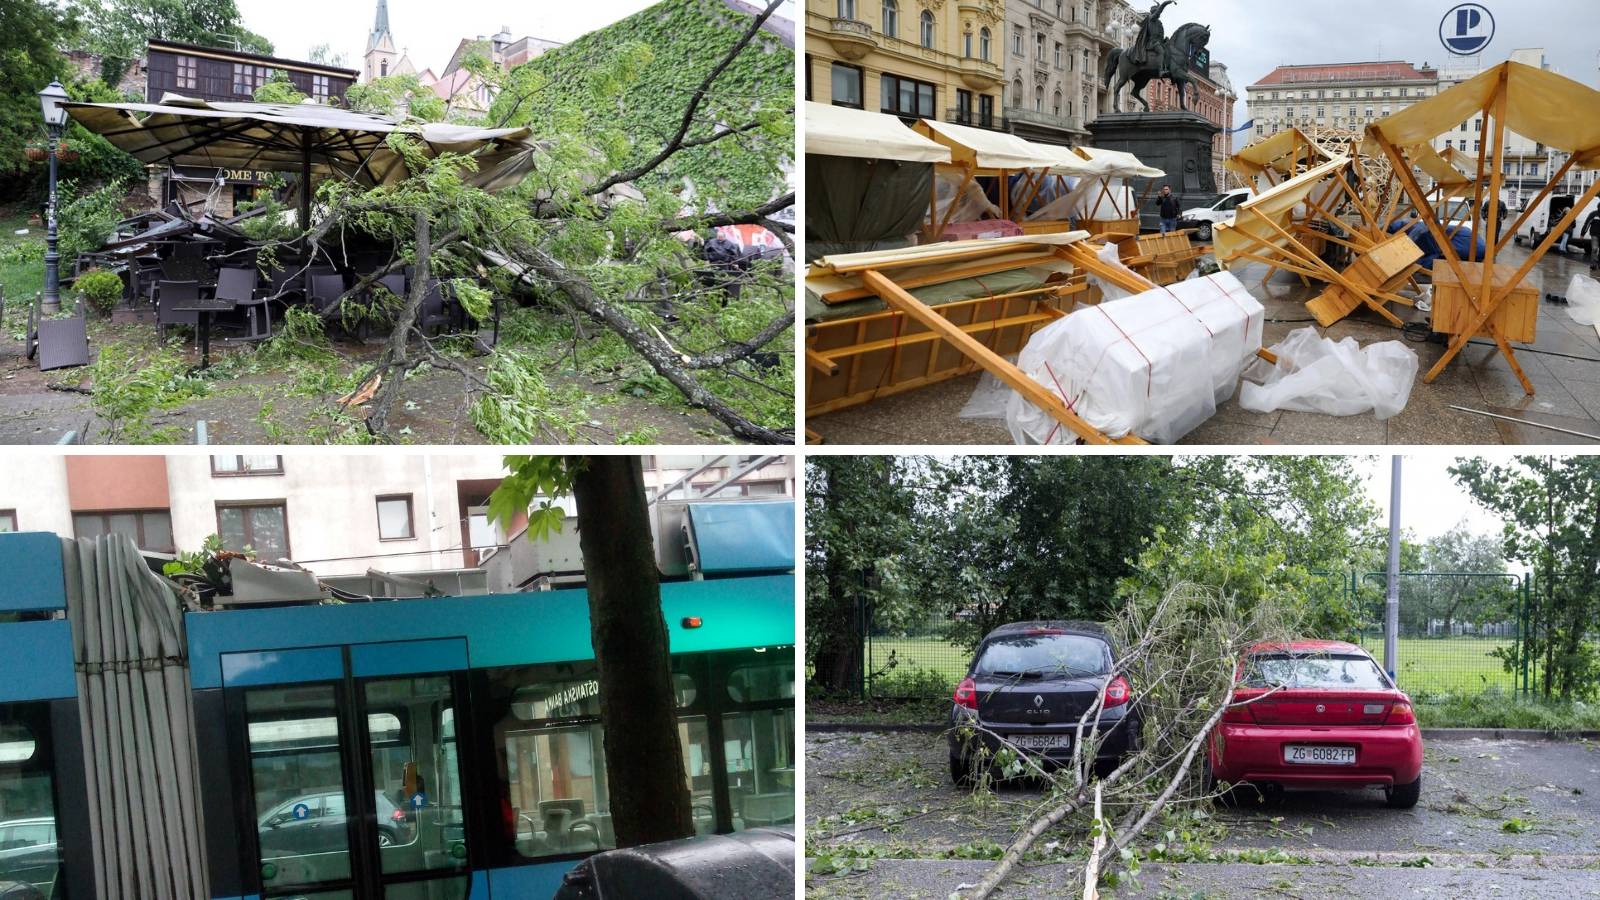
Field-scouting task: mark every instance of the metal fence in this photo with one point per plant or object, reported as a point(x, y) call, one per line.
point(1461, 634)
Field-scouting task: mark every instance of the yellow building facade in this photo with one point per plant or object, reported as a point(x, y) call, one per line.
point(926, 59)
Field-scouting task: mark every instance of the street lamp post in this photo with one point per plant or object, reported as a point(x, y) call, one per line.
point(55, 118)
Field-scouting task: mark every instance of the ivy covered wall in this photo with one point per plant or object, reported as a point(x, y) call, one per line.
point(629, 82)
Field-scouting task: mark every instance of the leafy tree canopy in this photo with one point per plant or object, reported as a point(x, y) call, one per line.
point(31, 37)
point(118, 29)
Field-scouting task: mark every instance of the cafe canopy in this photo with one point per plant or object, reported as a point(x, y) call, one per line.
point(304, 138)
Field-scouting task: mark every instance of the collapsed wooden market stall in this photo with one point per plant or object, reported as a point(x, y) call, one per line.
point(1487, 298)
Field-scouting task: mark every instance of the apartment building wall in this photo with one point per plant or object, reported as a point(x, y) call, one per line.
point(34, 489)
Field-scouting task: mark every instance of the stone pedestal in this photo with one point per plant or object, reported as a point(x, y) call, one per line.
point(1176, 142)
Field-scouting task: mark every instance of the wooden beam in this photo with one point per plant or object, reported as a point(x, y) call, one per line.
point(1477, 183)
point(1486, 310)
point(1408, 183)
point(1534, 204)
point(1333, 274)
point(1007, 372)
point(951, 274)
point(821, 363)
point(1083, 256)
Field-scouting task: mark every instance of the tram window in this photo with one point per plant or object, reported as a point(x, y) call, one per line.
point(759, 747)
point(295, 771)
point(557, 778)
point(768, 681)
point(27, 811)
point(698, 774)
point(420, 823)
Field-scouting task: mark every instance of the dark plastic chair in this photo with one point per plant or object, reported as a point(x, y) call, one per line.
point(58, 343)
point(239, 286)
point(436, 309)
point(324, 296)
point(174, 293)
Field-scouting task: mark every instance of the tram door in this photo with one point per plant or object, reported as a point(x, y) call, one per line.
point(354, 779)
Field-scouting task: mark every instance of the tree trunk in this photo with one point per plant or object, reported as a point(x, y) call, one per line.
point(638, 709)
point(393, 364)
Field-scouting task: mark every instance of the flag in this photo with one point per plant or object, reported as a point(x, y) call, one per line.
point(1244, 127)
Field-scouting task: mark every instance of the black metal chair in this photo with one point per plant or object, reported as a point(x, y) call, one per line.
point(239, 286)
point(174, 293)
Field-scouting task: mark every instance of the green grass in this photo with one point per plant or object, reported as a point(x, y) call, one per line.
point(20, 277)
point(1429, 667)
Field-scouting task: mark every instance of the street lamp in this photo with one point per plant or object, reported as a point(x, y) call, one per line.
point(55, 118)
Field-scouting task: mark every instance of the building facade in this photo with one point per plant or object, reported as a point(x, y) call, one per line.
point(1055, 50)
point(210, 73)
point(342, 516)
point(382, 59)
point(917, 59)
point(1338, 95)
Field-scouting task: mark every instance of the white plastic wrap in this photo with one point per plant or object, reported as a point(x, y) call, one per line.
point(971, 204)
point(1583, 300)
point(1154, 364)
point(1315, 374)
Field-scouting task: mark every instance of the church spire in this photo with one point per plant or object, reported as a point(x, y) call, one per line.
point(380, 25)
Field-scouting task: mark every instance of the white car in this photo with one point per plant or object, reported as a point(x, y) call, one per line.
point(1549, 213)
point(1202, 218)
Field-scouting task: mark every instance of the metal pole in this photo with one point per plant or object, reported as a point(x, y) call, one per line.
point(52, 259)
point(1391, 617)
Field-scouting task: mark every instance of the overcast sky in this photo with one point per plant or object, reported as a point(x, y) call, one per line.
point(1253, 37)
point(428, 30)
point(1431, 502)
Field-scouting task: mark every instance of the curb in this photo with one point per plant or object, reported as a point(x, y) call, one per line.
point(1486, 734)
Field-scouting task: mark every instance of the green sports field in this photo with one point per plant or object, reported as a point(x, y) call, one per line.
point(1427, 667)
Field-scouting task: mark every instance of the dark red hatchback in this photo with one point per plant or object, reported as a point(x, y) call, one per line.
point(1318, 714)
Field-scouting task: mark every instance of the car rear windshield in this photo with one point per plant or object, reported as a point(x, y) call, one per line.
point(1035, 655)
point(1334, 672)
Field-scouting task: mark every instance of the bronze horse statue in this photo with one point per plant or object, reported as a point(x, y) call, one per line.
point(1177, 52)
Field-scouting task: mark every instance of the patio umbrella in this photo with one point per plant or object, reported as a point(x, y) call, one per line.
point(306, 138)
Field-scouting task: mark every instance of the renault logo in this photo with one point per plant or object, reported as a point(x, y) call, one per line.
point(1321, 708)
point(1038, 699)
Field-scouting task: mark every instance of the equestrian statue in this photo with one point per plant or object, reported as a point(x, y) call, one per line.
point(1153, 56)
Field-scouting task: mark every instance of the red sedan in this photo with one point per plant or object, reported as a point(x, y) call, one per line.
point(1318, 714)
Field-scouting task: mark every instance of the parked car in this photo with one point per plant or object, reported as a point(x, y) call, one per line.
point(1201, 218)
point(1549, 213)
point(28, 855)
point(1029, 682)
point(315, 823)
point(1318, 714)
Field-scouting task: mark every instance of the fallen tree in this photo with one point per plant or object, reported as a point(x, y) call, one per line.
point(604, 227)
point(1180, 650)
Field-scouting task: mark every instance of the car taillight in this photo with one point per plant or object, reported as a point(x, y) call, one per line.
point(1401, 714)
point(399, 815)
point(1117, 692)
point(966, 694)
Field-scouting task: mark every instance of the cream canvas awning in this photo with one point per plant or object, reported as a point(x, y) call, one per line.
point(842, 131)
point(1539, 105)
point(1116, 164)
point(1276, 204)
point(1281, 152)
point(307, 138)
point(986, 149)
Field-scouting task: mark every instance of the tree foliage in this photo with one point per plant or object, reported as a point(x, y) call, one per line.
point(973, 542)
point(1550, 509)
point(118, 29)
point(31, 37)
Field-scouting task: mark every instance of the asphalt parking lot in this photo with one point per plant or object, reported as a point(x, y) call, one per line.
point(1498, 818)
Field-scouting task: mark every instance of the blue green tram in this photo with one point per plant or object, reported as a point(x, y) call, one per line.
point(429, 749)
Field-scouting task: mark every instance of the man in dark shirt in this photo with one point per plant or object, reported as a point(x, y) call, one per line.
point(1167, 205)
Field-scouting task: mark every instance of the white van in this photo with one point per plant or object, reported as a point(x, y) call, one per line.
point(1549, 213)
point(1201, 218)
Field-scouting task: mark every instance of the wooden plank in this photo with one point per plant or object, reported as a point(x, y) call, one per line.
point(1083, 255)
point(821, 363)
point(954, 273)
point(1034, 392)
point(921, 337)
